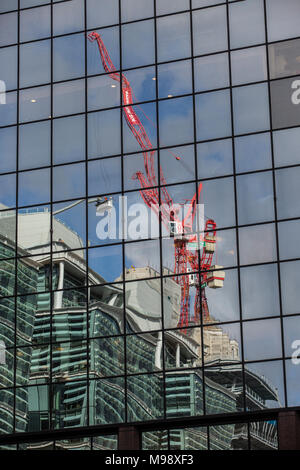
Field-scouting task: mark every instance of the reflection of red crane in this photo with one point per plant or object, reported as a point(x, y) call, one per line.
point(150, 194)
point(209, 242)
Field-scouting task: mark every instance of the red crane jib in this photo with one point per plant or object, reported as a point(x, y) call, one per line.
point(151, 195)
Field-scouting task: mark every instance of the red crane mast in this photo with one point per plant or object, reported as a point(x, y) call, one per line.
point(205, 265)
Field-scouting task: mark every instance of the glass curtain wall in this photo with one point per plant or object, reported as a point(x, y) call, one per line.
point(149, 217)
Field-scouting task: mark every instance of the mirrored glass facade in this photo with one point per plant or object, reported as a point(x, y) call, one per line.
point(149, 219)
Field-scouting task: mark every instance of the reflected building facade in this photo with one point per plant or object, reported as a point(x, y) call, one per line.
point(52, 370)
point(114, 312)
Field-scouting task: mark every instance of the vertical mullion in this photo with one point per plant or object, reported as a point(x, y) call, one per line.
point(249, 435)
point(123, 219)
point(164, 381)
point(236, 210)
point(86, 205)
point(51, 317)
point(201, 324)
point(163, 372)
point(16, 232)
point(275, 204)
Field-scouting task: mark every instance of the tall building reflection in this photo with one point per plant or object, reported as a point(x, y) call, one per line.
point(71, 359)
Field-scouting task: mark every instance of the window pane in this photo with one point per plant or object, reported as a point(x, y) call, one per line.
point(91, 159)
point(8, 109)
point(69, 97)
point(221, 437)
point(68, 57)
point(255, 198)
point(132, 164)
point(165, 6)
point(68, 139)
point(111, 39)
point(231, 338)
point(152, 384)
point(251, 109)
point(283, 19)
point(105, 442)
point(104, 176)
point(35, 23)
point(34, 148)
point(102, 13)
point(107, 262)
point(8, 149)
point(271, 374)
point(257, 244)
point(103, 92)
point(247, 26)
point(35, 63)
point(291, 334)
point(249, 65)
point(289, 233)
point(287, 184)
point(178, 164)
point(218, 199)
point(284, 58)
point(176, 121)
point(8, 61)
point(144, 297)
point(35, 104)
point(175, 79)
point(32, 3)
point(147, 115)
point(68, 17)
point(214, 158)
point(205, 3)
point(286, 147)
point(210, 30)
point(142, 83)
point(138, 44)
point(262, 339)
point(142, 260)
point(8, 29)
point(8, 5)
point(290, 283)
point(293, 381)
point(174, 37)
point(69, 181)
point(136, 9)
point(34, 187)
point(253, 152)
point(109, 356)
point(263, 280)
point(211, 72)
point(8, 191)
point(285, 102)
point(213, 115)
point(224, 303)
point(104, 133)
point(70, 214)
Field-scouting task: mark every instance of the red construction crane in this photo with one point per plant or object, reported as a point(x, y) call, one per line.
point(202, 276)
point(181, 228)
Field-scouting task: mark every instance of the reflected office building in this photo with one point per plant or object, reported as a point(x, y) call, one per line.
point(70, 356)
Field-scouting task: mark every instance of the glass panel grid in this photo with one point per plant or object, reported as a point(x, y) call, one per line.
point(107, 315)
